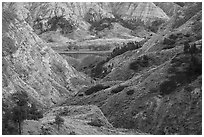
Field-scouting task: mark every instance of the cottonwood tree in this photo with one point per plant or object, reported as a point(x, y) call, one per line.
point(23, 110)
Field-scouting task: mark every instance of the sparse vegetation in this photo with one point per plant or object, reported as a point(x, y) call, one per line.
point(188, 13)
point(7, 18)
point(57, 22)
point(155, 25)
point(100, 72)
point(100, 25)
point(8, 46)
point(126, 47)
point(184, 69)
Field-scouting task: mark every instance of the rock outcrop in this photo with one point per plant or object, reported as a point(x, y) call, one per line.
point(29, 64)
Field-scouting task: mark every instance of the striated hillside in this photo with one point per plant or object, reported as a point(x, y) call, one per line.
point(29, 64)
point(145, 11)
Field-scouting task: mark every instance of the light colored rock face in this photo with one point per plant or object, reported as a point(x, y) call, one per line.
point(146, 11)
point(33, 66)
point(76, 11)
point(77, 119)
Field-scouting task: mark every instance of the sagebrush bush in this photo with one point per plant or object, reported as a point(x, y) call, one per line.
point(130, 92)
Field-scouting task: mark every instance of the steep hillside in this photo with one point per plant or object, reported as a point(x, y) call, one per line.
point(30, 65)
point(157, 87)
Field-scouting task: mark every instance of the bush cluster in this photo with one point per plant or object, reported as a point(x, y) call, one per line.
point(100, 72)
point(57, 22)
point(142, 61)
point(126, 47)
point(180, 73)
point(101, 25)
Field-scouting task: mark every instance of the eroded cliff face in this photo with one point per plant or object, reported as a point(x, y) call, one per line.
point(77, 11)
point(145, 11)
point(30, 65)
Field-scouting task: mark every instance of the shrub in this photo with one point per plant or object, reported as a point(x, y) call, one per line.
point(168, 41)
point(130, 92)
point(173, 36)
point(168, 47)
point(142, 61)
point(167, 87)
point(72, 133)
point(118, 89)
point(80, 95)
point(95, 89)
point(180, 3)
point(59, 121)
point(126, 47)
point(99, 71)
point(95, 122)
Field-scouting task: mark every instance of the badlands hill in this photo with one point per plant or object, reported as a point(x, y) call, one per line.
point(150, 83)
